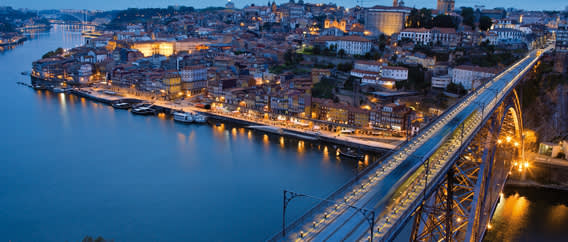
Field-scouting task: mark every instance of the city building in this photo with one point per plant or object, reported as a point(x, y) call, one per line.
point(445, 6)
point(317, 74)
point(435, 36)
point(386, 20)
point(391, 117)
point(193, 79)
point(441, 81)
point(471, 76)
point(352, 45)
point(395, 72)
point(341, 25)
point(150, 48)
point(562, 38)
point(171, 82)
point(505, 36)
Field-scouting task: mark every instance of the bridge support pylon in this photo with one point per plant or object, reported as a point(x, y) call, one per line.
point(461, 206)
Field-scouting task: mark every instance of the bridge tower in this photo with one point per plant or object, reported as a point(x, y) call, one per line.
point(461, 206)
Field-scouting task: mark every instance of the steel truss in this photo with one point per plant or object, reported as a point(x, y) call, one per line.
point(462, 205)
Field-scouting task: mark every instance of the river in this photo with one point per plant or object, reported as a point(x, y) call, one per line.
point(71, 167)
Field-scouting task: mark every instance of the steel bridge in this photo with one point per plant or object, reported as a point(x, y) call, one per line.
point(444, 183)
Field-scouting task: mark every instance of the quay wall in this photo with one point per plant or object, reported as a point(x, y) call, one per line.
point(544, 175)
point(217, 117)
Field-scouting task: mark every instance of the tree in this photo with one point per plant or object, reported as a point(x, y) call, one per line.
point(468, 17)
point(50, 54)
point(444, 21)
point(413, 20)
point(341, 53)
point(485, 23)
point(345, 67)
point(292, 58)
point(426, 18)
point(419, 18)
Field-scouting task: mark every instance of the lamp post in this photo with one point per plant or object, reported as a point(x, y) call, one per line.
point(289, 196)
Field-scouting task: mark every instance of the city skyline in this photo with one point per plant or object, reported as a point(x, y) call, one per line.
point(111, 5)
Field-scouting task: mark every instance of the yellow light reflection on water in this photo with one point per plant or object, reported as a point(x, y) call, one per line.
point(281, 142)
point(301, 146)
point(512, 214)
point(265, 140)
point(249, 135)
point(558, 216)
point(325, 154)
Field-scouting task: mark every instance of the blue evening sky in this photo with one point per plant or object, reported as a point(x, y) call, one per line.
point(121, 4)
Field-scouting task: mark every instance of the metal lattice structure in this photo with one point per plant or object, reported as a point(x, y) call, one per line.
point(461, 206)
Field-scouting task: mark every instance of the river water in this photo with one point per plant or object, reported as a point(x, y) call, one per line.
point(71, 167)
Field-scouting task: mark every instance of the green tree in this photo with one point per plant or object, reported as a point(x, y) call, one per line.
point(341, 53)
point(426, 18)
point(445, 21)
point(292, 58)
point(345, 67)
point(468, 17)
point(485, 23)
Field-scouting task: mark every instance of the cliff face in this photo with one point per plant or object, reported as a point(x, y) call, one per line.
point(544, 95)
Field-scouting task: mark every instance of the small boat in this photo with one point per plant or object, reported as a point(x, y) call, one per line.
point(121, 105)
point(58, 90)
point(200, 118)
point(39, 87)
point(183, 117)
point(111, 93)
point(143, 110)
point(351, 154)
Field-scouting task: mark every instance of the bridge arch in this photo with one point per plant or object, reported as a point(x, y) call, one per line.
point(462, 206)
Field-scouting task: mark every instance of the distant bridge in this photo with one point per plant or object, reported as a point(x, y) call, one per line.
point(446, 181)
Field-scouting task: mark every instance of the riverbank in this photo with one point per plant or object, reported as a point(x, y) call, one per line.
point(101, 95)
point(533, 184)
point(13, 41)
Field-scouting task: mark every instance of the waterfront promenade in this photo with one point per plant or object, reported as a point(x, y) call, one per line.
point(271, 126)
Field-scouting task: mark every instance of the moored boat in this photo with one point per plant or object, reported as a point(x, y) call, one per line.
point(351, 154)
point(144, 110)
point(200, 118)
point(121, 105)
point(58, 90)
point(183, 117)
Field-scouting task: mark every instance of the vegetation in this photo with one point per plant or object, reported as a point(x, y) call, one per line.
point(6, 27)
point(539, 93)
point(416, 80)
point(419, 18)
point(445, 21)
point(324, 88)
point(485, 23)
point(468, 17)
point(456, 89)
point(52, 53)
point(490, 56)
point(345, 67)
point(142, 15)
point(292, 58)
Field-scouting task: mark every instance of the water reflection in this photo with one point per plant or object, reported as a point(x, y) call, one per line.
point(529, 214)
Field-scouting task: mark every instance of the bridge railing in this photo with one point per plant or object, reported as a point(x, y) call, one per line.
point(491, 105)
point(318, 208)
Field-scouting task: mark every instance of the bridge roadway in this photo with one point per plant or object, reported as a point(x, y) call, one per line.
point(394, 189)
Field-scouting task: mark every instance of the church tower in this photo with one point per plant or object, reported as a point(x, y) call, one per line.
point(445, 6)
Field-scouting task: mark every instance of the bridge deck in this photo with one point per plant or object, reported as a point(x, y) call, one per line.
point(395, 188)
